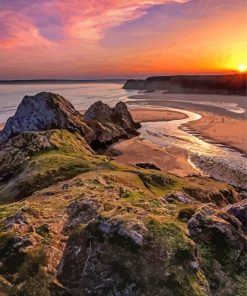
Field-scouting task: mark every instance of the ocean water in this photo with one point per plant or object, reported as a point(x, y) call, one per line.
point(81, 95)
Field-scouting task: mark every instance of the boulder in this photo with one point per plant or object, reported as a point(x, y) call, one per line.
point(116, 228)
point(118, 115)
point(207, 195)
point(148, 166)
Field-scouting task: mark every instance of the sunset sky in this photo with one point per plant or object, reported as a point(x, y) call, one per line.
point(87, 39)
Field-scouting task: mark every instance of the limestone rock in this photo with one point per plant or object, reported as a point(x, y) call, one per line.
point(109, 124)
point(44, 111)
point(100, 125)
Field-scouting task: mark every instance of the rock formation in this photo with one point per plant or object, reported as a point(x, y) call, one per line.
point(46, 111)
point(109, 124)
point(221, 244)
point(47, 122)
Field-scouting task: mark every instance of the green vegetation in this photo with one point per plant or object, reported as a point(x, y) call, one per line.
point(185, 213)
point(145, 242)
point(33, 263)
point(171, 236)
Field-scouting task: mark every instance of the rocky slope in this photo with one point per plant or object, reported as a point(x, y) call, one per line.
point(75, 223)
point(208, 84)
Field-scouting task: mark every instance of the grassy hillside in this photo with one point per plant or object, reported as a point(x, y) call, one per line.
point(76, 223)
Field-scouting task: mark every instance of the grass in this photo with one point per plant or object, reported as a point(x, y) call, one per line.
point(170, 236)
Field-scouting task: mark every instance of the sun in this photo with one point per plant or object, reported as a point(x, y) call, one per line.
point(242, 68)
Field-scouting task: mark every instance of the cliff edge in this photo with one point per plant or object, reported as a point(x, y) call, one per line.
point(235, 84)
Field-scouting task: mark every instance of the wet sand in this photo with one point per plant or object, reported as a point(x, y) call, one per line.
point(171, 160)
point(217, 104)
point(137, 150)
point(152, 115)
point(222, 129)
point(217, 123)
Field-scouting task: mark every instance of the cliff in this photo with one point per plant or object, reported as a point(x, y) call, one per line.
point(209, 84)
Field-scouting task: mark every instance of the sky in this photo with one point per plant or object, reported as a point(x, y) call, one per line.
point(93, 39)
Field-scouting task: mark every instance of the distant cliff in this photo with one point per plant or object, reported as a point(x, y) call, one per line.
point(210, 84)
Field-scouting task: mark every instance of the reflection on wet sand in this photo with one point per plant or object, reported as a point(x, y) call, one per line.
point(219, 161)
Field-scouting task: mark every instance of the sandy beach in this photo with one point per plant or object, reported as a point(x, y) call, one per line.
point(152, 114)
point(170, 160)
point(218, 104)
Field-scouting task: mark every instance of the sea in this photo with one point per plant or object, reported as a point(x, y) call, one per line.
point(81, 95)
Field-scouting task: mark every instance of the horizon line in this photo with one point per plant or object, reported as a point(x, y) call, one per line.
point(110, 79)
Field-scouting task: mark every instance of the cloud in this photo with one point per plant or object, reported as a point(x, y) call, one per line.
point(23, 21)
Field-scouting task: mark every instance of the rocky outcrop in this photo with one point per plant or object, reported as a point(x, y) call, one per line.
point(88, 226)
point(148, 166)
point(100, 126)
point(48, 124)
point(208, 84)
point(219, 197)
point(221, 246)
point(44, 111)
point(109, 124)
point(223, 230)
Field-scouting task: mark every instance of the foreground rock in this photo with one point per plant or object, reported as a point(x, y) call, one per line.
point(75, 223)
point(221, 245)
point(239, 210)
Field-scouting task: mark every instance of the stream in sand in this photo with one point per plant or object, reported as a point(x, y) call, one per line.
point(217, 160)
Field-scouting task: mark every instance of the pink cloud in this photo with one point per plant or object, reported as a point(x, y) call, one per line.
point(37, 21)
